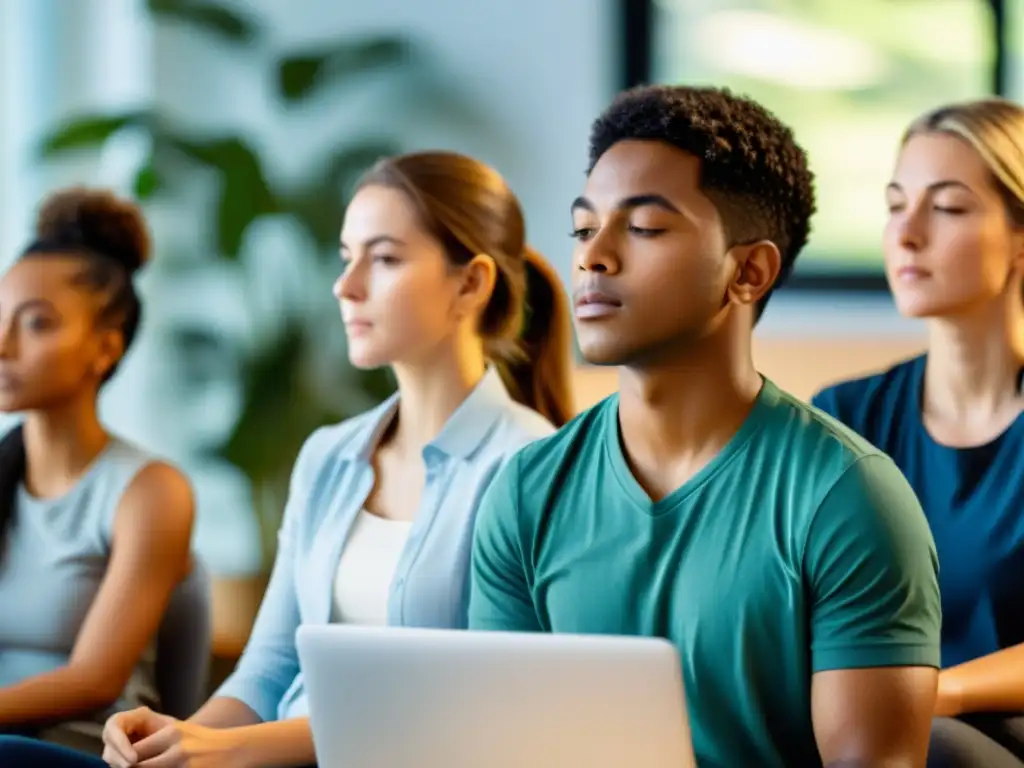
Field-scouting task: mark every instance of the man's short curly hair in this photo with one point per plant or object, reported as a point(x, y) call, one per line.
point(752, 169)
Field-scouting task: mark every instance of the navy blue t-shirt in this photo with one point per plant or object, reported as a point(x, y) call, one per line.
point(973, 499)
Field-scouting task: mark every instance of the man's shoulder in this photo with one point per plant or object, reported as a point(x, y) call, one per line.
point(843, 494)
point(552, 454)
point(813, 435)
point(544, 466)
point(842, 488)
point(812, 451)
point(533, 483)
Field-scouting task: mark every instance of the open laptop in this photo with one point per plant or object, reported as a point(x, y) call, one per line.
point(420, 698)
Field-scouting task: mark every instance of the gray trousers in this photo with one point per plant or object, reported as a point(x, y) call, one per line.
point(977, 741)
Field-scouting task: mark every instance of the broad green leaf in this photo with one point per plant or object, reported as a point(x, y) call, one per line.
point(278, 413)
point(301, 75)
point(377, 383)
point(245, 193)
point(87, 132)
point(207, 17)
point(318, 214)
point(147, 182)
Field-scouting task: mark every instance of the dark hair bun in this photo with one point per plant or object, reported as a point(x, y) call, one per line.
point(95, 220)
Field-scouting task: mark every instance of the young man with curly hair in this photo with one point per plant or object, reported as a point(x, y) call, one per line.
point(786, 558)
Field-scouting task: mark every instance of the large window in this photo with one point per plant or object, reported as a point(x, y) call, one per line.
point(1014, 35)
point(847, 76)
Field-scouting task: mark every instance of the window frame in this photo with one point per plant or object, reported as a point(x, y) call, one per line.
point(637, 18)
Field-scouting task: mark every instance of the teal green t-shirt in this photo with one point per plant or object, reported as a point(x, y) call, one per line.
point(799, 548)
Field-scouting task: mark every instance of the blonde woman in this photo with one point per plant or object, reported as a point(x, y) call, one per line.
point(951, 418)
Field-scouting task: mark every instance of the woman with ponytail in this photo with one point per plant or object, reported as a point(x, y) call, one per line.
point(94, 533)
point(437, 283)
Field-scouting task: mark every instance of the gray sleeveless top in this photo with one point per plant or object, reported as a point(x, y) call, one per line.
point(54, 559)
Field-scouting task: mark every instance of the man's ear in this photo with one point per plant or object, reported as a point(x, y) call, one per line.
point(757, 269)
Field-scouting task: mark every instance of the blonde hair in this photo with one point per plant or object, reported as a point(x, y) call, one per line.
point(994, 127)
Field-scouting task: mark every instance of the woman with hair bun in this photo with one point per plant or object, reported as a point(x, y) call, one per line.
point(94, 532)
point(438, 284)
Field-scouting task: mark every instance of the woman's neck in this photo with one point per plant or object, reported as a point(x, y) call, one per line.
point(429, 393)
point(60, 444)
point(974, 363)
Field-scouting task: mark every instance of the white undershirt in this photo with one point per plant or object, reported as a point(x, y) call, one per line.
point(366, 569)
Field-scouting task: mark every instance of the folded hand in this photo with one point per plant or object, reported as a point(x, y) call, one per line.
point(125, 728)
point(144, 739)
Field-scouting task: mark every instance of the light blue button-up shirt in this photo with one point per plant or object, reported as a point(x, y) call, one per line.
point(330, 483)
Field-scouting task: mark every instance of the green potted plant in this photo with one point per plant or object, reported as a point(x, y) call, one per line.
point(286, 393)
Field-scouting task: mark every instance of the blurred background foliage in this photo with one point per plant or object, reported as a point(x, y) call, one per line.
point(288, 391)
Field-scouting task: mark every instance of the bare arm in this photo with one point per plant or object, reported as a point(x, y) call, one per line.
point(992, 683)
point(283, 744)
point(149, 556)
point(280, 744)
point(270, 661)
point(875, 622)
point(225, 712)
point(873, 718)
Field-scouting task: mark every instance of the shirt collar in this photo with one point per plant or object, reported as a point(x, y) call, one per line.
point(461, 435)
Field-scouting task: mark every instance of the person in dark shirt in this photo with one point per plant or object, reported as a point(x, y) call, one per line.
point(951, 418)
